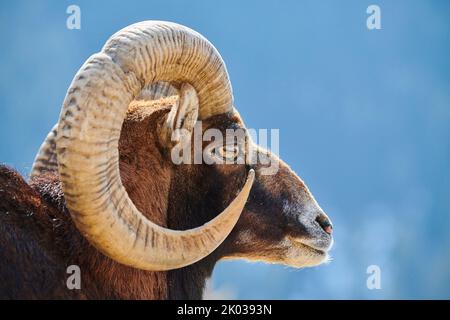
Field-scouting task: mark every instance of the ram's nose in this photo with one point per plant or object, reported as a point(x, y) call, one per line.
point(325, 223)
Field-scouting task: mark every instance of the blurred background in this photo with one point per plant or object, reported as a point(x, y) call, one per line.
point(364, 119)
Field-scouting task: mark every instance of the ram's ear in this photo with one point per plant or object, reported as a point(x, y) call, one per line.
point(180, 121)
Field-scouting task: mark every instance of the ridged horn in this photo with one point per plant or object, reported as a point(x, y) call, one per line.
point(46, 159)
point(88, 135)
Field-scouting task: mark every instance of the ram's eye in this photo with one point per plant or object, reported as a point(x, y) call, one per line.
point(228, 151)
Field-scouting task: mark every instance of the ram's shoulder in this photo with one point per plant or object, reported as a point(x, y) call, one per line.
point(17, 198)
point(35, 204)
point(28, 239)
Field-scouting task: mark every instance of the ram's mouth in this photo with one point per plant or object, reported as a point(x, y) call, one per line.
point(308, 255)
point(301, 244)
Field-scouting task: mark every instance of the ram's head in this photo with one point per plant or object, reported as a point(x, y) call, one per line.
point(139, 185)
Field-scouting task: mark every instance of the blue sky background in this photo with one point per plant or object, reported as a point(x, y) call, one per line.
point(364, 118)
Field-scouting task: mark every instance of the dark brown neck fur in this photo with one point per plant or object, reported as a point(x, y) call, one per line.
point(154, 186)
point(140, 162)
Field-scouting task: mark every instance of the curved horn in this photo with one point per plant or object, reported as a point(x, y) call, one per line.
point(157, 91)
point(89, 131)
point(46, 159)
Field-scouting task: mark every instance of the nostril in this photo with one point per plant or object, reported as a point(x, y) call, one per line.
point(328, 229)
point(325, 223)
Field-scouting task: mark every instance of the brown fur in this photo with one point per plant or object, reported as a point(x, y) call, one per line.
point(38, 239)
